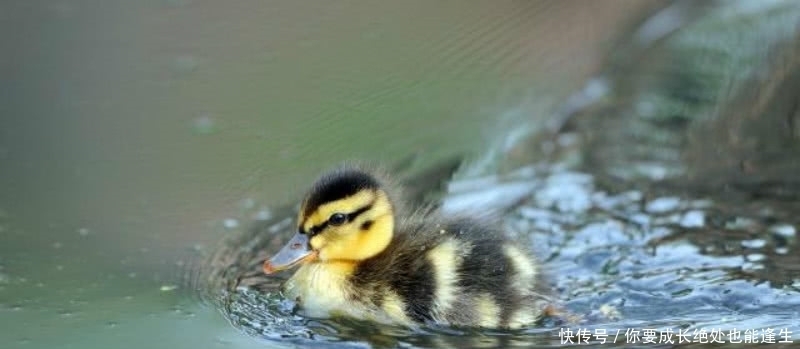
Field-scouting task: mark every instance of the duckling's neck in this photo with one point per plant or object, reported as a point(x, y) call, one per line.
point(319, 278)
point(336, 267)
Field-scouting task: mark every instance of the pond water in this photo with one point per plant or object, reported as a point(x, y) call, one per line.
point(151, 155)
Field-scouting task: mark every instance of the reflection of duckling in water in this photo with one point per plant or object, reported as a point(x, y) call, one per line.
point(363, 256)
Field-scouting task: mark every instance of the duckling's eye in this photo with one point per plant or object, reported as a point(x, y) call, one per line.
point(337, 219)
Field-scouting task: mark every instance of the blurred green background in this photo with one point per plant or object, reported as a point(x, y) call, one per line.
point(133, 131)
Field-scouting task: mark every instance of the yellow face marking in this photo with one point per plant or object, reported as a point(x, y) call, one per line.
point(352, 241)
point(445, 259)
point(359, 245)
point(487, 310)
point(346, 205)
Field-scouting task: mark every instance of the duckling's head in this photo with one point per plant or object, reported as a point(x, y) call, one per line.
point(347, 217)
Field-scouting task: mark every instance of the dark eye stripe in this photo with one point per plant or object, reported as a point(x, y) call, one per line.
point(350, 217)
point(316, 229)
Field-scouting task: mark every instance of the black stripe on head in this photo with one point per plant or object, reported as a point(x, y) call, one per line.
point(350, 217)
point(337, 185)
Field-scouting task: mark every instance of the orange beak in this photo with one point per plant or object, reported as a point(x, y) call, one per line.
point(296, 251)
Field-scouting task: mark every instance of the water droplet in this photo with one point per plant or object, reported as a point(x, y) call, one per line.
point(230, 223)
point(203, 124)
point(262, 215)
point(693, 219)
point(784, 230)
point(755, 243)
point(755, 257)
point(661, 205)
point(749, 266)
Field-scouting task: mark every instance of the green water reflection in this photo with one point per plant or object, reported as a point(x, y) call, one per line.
point(136, 133)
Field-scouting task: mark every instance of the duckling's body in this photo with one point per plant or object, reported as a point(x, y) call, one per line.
point(381, 265)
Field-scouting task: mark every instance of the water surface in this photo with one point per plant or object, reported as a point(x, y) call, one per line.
point(635, 233)
point(136, 135)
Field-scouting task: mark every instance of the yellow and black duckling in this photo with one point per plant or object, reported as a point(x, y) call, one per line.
point(361, 254)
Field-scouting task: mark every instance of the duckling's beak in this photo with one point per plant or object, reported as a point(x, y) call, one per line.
point(296, 251)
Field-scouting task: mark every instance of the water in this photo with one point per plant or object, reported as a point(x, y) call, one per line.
point(161, 136)
point(631, 255)
point(619, 261)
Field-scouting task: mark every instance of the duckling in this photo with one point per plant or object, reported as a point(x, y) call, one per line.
point(363, 254)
